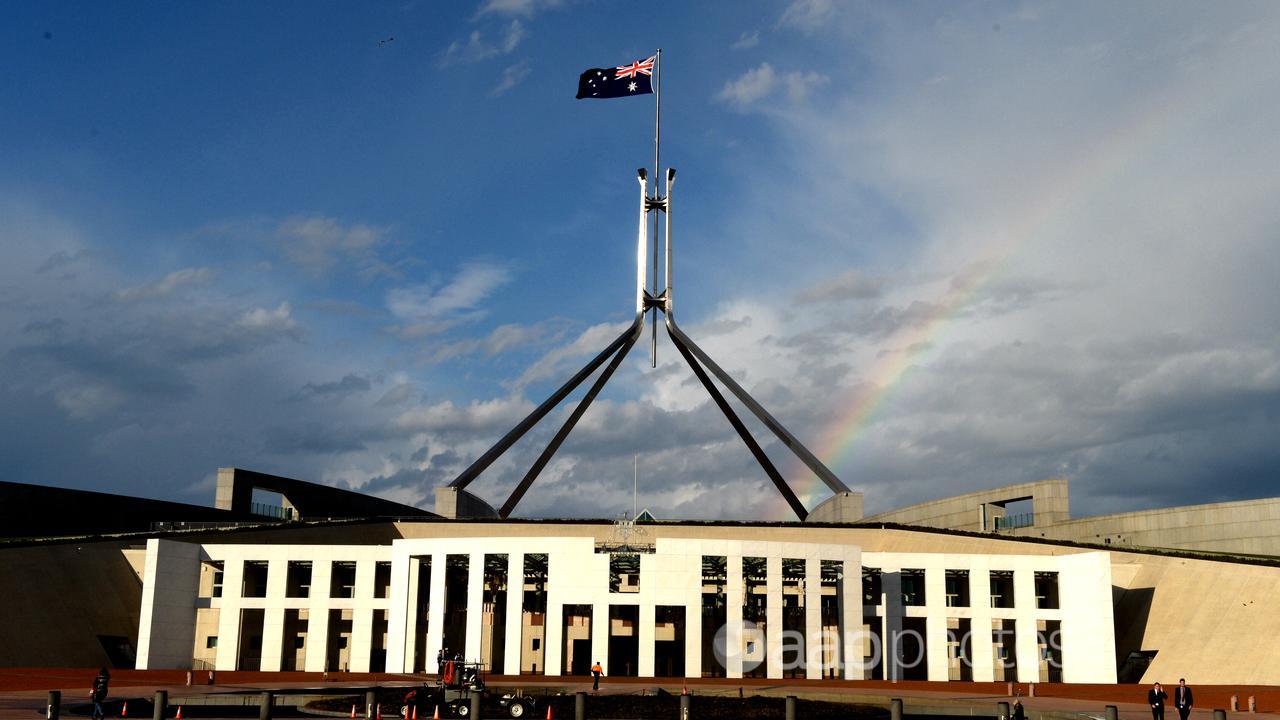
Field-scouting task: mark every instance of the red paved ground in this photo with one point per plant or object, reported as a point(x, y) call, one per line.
point(20, 687)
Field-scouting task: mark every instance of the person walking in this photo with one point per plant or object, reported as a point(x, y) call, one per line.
point(1183, 699)
point(1155, 698)
point(99, 693)
point(596, 672)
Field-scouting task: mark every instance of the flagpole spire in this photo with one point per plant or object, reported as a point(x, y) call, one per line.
point(657, 173)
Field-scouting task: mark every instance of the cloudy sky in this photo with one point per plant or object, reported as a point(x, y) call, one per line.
point(950, 245)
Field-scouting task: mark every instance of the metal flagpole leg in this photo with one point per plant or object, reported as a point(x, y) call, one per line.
point(796, 447)
point(485, 460)
point(668, 303)
point(796, 506)
point(636, 330)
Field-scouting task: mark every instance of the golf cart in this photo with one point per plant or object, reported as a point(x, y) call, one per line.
point(452, 693)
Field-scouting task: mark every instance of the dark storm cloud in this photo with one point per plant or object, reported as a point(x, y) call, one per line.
point(350, 384)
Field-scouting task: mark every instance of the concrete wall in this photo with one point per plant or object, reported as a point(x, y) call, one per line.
point(1250, 527)
point(976, 511)
point(57, 599)
point(166, 626)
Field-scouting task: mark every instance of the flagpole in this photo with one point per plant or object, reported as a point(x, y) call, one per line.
point(657, 172)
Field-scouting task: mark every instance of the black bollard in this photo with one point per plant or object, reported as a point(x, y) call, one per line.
point(1219, 715)
point(370, 697)
point(161, 705)
point(895, 709)
point(264, 706)
point(791, 707)
point(1002, 710)
point(580, 706)
point(55, 705)
point(1112, 713)
point(476, 697)
point(684, 707)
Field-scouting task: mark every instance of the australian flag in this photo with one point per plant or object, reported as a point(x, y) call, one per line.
point(620, 81)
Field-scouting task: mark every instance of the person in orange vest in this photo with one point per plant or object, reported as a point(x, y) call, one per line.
point(596, 672)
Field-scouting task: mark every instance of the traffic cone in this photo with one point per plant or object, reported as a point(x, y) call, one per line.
point(179, 715)
point(124, 709)
point(379, 715)
point(415, 711)
point(353, 709)
point(550, 715)
point(436, 716)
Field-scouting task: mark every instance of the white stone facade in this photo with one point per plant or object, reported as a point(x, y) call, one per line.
point(179, 607)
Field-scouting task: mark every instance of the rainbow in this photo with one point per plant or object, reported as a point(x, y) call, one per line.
point(1092, 170)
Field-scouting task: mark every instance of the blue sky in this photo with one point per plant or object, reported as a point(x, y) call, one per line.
point(1041, 236)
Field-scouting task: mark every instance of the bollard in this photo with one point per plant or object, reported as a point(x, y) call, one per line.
point(580, 706)
point(55, 705)
point(210, 677)
point(476, 696)
point(188, 678)
point(369, 699)
point(161, 705)
point(1031, 690)
point(1219, 715)
point(895, 709)
point(1010, 691)
point(264, 705)
point(1112, 713)
point(791, 707)
point(1253, 704)
point(1235, 703)
point(1002, 710)
point(684, 707)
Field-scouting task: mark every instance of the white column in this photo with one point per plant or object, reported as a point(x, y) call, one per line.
point(435, 618)
point(773, 638)
point(515, 614)
point(693, 618)
point(813, 640)
point(362, 617)
point(851, 620)
point(600, 630)
point(891, 583)
point(475, 606)
point(734, 596)
point(935, 622)
point(401, 624)
point(318, 616)
point(646, 634)
point(1024, 605)
point(553, 643)
point(980, 645)
point(229, 615)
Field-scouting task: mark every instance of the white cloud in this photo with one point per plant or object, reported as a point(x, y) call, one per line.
point(317, 243)
point(477, 47)
point(166, 286)
point(426, 309)
point(511, 76)
point(523, 8)
point(277, 321)
point(809, 15)
point(759, 83)
point(750, 87)
point(746, 40)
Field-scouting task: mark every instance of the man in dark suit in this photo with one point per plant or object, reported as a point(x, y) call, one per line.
point(1155, 698)
point(1182, 699)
